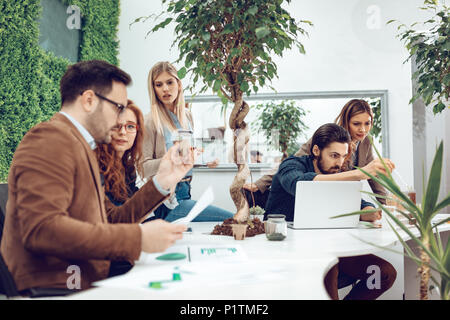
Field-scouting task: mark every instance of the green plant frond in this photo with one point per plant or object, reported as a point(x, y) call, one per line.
point(438, 242)
point(444, 203)
point(391, 186)
point(435, 245)
point(442, 222)
point(405, 200)
point(377, 195)
point(436, 282)
point(446, 257)
point(355, 213)
point(409, 233)
point(411, 254)
point(380, 157)
point(383, 208)
point(433, 186)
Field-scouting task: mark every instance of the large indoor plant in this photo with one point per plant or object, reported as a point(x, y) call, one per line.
point(229, 45)
point(286, 119)
point(432, 254)
point(429, 44)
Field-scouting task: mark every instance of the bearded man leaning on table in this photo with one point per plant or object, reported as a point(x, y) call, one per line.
point(329, 148)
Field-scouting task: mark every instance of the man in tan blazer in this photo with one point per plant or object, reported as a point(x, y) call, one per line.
point(57, 217)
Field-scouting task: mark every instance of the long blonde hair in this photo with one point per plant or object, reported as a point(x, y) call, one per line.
point(159, 114)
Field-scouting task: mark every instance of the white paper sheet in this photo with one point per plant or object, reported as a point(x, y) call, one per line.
point(204, 252)
point(200, 274)
point(205, 200)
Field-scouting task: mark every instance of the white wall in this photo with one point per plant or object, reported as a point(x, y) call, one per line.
point(349, 48)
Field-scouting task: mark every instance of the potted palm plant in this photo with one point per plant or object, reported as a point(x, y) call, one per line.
point(432, 255)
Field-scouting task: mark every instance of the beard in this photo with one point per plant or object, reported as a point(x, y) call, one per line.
point(331, 170)
point(98, 126)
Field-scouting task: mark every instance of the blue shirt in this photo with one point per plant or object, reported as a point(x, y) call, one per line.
point(282, 191)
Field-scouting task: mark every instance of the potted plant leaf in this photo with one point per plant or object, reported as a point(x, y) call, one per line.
point(429, 46)
point(286, 119)
point(433, 255)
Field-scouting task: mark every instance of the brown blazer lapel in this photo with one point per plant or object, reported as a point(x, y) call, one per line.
point(93, 164)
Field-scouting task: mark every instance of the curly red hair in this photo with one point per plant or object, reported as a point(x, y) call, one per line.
point(118, 173)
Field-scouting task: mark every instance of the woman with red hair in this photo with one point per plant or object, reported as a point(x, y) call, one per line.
point(119, 160)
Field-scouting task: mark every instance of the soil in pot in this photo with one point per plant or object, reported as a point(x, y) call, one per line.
point(224, 229)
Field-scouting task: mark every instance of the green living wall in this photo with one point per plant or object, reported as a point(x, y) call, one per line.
point(29, 76)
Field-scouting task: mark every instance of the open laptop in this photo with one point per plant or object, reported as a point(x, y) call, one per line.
point(317, 201)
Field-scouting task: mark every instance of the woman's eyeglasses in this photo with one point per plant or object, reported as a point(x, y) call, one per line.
point(130, 127)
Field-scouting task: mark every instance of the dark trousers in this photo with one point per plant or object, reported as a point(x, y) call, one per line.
point(260, 198)
point(118, 268)
point(361, 268)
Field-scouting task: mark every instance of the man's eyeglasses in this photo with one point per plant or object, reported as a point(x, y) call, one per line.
point(120, 107)
point(130, 127)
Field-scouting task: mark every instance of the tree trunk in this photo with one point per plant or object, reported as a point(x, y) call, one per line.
point(241, 137)
point(424, 271)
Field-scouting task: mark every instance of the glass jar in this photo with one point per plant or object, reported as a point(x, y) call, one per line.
point(185, 141)
point(276, 227)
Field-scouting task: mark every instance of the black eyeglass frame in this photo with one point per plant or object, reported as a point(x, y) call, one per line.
point(119, 106)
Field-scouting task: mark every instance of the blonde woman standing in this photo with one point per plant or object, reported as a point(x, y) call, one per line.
point(167, 115)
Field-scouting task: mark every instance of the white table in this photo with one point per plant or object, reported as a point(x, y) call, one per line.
point(307, 255)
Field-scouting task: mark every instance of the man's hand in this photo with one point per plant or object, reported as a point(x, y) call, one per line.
point(174, 166)
point(158, 235)
point(376, 166)
point(250, 187)
point(370, 217)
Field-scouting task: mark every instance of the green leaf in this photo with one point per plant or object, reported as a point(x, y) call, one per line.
point(217, 85)
point(253, 10)
point(228, 29)
point(244, 86)
point(206, 36)
point(444, 203)
point(433, 186)
point(182, 73)
point(162, 24)
point(261, 32)
point(438, 108)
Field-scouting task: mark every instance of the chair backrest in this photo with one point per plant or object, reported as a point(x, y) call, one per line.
point(3, 196)
point(7, 284)
point(3, 199)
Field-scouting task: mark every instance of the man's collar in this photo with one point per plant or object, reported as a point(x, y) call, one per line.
point(86, 135)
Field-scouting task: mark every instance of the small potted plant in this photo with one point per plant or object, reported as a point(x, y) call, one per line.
point(257, 213)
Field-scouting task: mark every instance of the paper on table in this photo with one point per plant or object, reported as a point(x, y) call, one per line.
point(200, 274)
point(205, 200)
point(217, 253)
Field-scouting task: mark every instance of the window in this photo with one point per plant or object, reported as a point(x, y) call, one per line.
point(322, 107)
